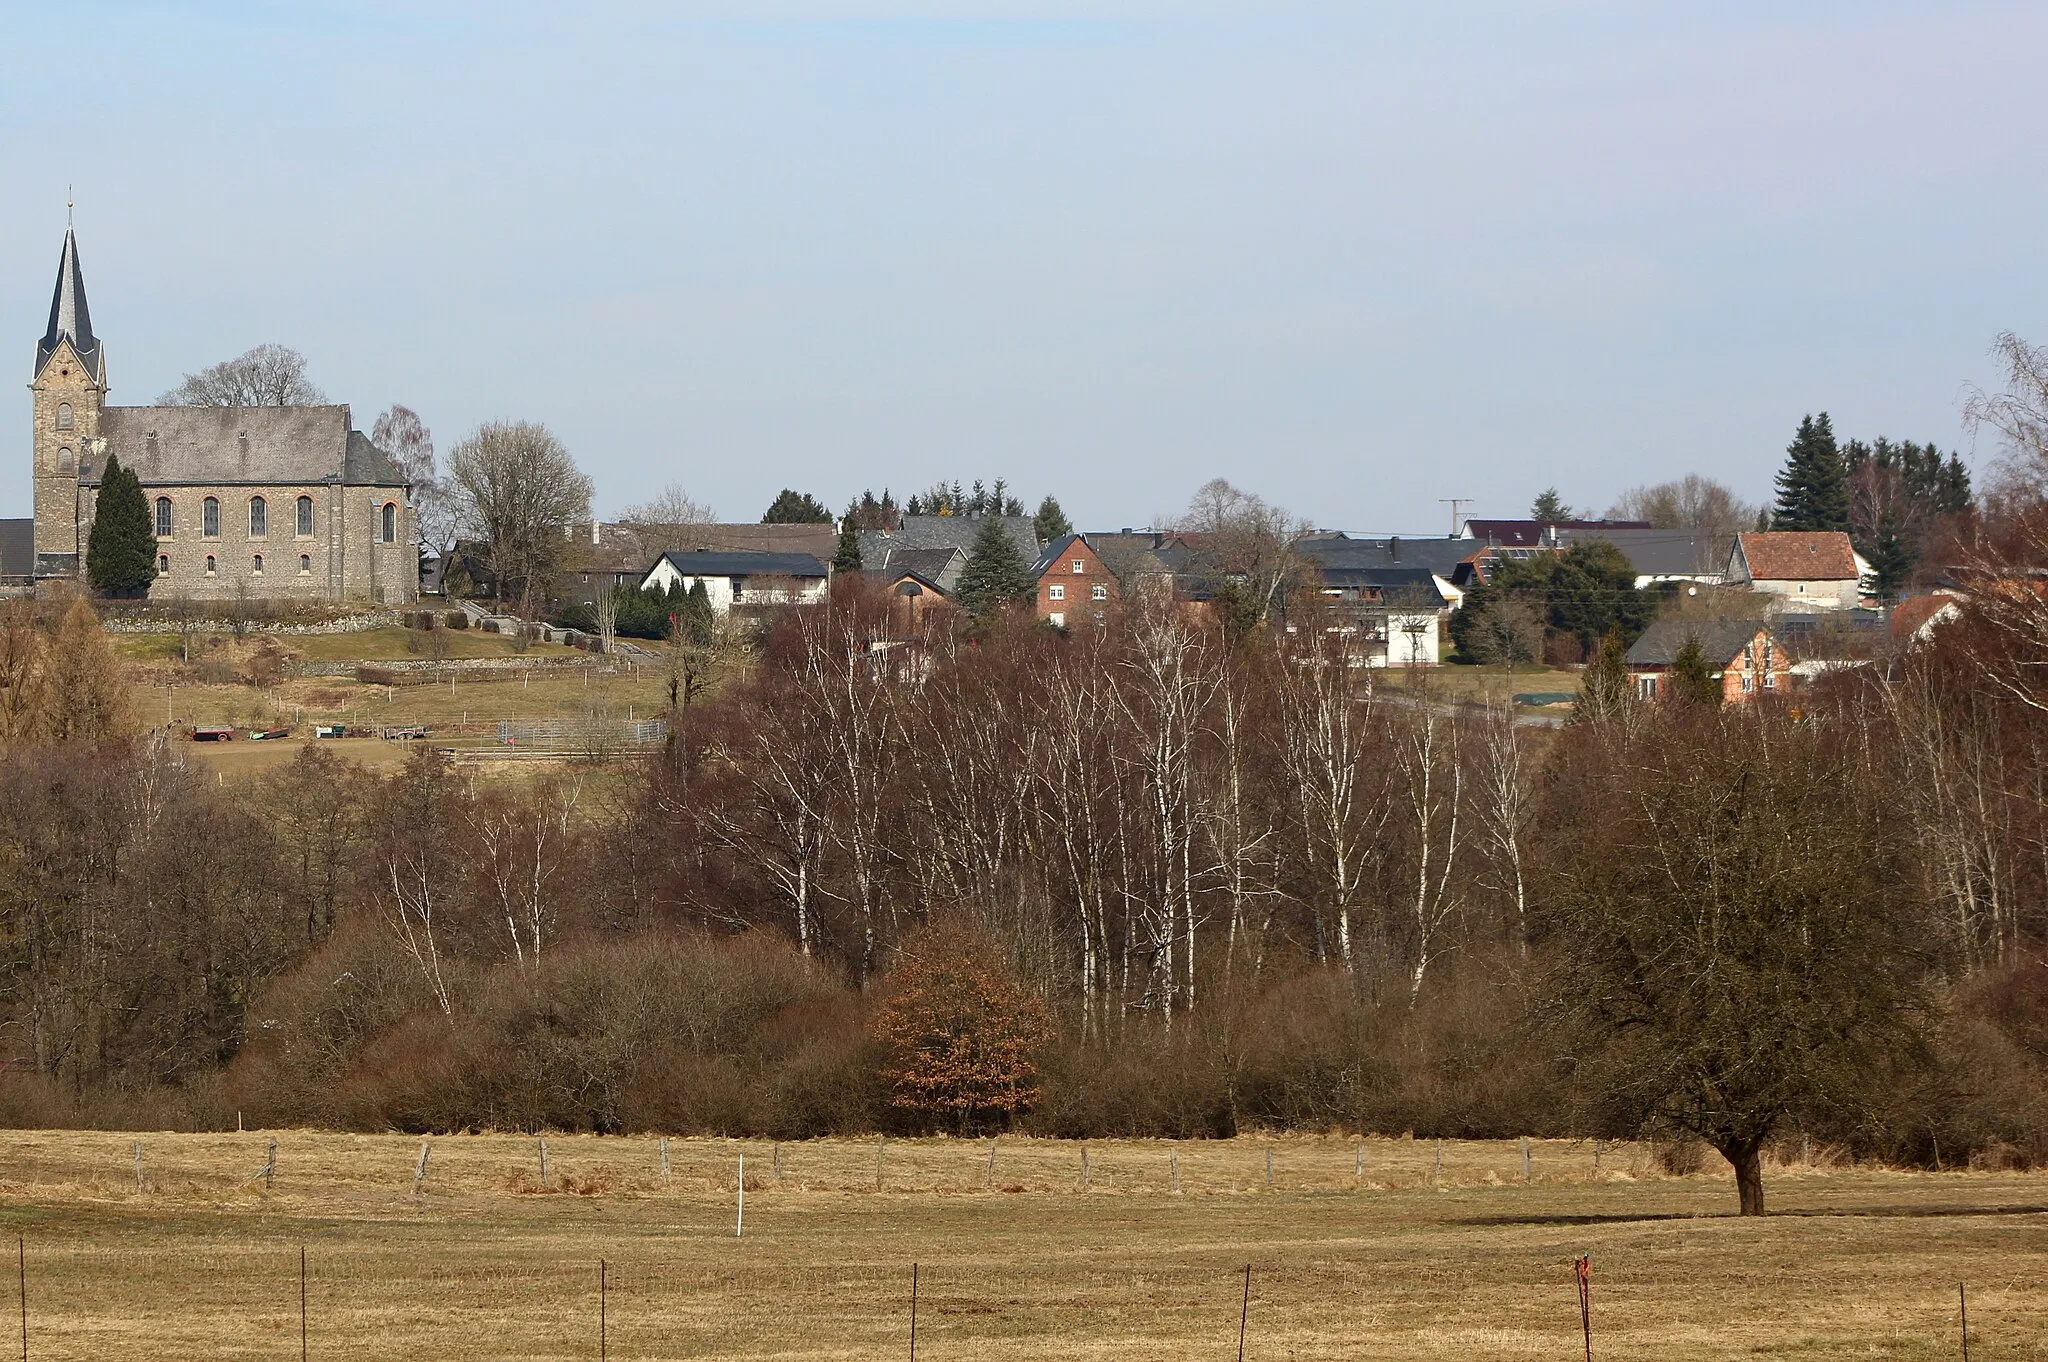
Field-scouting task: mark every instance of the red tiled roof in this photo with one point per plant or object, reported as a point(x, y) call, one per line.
point(1909, 615)
point(1799, 556)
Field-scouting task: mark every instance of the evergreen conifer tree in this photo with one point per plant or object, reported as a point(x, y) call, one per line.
point(1691, 681)
point(1892, 560)
point(1549, 508)
point(120, 557)
point(846, 558)
point(996, 574)
point(1604, 691)
point(1051, 522)
point(1813, 487)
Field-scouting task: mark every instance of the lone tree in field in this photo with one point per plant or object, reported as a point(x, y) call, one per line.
point(962, 1036)
point(515, 487)
point(1733, 918)
point(120, 557)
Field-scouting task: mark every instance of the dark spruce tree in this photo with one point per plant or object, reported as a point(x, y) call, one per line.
point(1549, 507)
point(1892, 560)
point(1605, 690)
point(796, 508)
point(120, 558)
point(1692, 680)
point(846, 558)
point(996, 574)
point(1813, 487)
point(1051, 522)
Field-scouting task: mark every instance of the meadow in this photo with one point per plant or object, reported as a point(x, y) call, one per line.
point(1018, 1260)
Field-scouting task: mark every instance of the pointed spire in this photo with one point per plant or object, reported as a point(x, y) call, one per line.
point(69, 317)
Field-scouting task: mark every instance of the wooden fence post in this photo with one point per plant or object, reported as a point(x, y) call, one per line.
point(879, 1144)
point(1084, 1167)
point(988, 1177)
point(1176, 1172)
point(664, 1161)
point(140, 1187)
point(543, 1165)
point(1269, 1168)
point(419, 1173)
point(1525, 1158)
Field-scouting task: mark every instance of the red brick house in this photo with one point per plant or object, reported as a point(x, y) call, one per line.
point(1743, 655)
point(1074, 586)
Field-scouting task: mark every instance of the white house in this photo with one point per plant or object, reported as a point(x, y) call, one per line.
point(1810, 570)
point(741, 579)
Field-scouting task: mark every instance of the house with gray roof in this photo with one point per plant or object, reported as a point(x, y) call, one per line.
point(736, 579)
point(940, 532)
point(285, 502)
point(1660, 555)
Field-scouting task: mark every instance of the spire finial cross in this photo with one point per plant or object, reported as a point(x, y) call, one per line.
point(67, 207)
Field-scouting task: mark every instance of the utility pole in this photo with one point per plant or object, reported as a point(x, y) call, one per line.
point(1454, 503)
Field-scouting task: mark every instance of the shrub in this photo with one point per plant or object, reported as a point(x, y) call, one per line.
point(456, 619)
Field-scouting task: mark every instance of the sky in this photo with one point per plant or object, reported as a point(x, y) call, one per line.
point(1356, 258)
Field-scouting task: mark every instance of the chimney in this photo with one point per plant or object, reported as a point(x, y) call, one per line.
point(594, 527)
point(1394, 549)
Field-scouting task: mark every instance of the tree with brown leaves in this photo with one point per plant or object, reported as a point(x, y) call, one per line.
point(962, 1036)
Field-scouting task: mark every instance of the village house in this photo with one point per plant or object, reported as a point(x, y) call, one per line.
point(1662, 557)
point(741, 581)
point(1743, 655)
point(599, 556)
point(1074, 585)
point(1805, 570)
point(881, 550)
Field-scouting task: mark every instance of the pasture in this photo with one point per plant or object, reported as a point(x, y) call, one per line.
point(1016, 1261)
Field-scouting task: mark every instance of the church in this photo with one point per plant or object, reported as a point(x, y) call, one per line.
point(258, 503)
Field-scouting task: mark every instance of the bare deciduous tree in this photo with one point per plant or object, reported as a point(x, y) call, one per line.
point(399, 432)
point(516, 488)
point(669, 507)
point(267, 376)
point(1693, 503)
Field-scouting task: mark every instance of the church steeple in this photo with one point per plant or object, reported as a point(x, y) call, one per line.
point(69, 318)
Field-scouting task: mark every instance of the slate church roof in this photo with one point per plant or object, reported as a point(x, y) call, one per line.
point(69, 317)
point(167, 446)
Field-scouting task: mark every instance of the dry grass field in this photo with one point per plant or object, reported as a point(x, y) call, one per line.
point(1024, 1263)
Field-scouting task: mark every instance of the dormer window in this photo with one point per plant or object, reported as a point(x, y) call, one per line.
point(242, 440)
point(63, 416)
point(150, 443)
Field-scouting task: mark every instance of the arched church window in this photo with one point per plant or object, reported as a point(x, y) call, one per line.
point(259, 517)
point(163, 517)
point(257, 566)
point(63, 416)
point(210, 567)
point(305, 565)
point(209, 517)
point(305, 515)
point(391, 522)
point(65, 461)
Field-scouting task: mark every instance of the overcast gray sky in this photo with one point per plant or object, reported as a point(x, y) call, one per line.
point(1354, 257)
